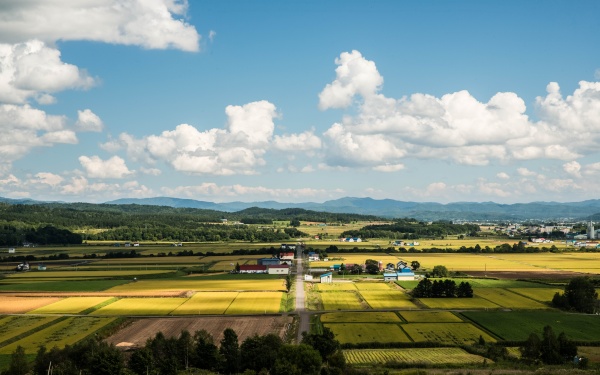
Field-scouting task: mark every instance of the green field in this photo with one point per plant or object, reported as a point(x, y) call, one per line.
point(458, 303)
point(13, 326)
point(62, 286)
point(431, 356)
point(517, 325)
point(538, 294)
point(201, 283)
point(66, 332)
point(355, 333)
point(446, 333)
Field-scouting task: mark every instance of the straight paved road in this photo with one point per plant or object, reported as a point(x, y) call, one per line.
point(303, 315)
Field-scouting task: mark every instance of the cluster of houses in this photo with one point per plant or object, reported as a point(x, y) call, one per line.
point(350, 239)
point(272, 266)
point(402, 271)
point(404, 243)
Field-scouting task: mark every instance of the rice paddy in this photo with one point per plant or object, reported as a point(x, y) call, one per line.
point(430, 317)
point(458, 303)
point(141, 306)
point(19, 305)
point(360, 317)
point(508, 299)
point(256, 303)
point(70, 305)
point(430, 356)
point(200, 284)
point(357, 333)
point(387, 299)
point(206, 303)
point(341, 301)
point(446, 333)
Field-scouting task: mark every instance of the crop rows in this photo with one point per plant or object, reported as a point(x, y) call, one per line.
point(413, 355)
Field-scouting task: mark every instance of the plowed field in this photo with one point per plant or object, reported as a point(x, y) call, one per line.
point(139, 331)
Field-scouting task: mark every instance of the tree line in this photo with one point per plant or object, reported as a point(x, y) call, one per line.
point(411, 228)
point(318, 353)
point(442, 289)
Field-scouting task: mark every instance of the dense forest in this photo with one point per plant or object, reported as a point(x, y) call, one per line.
point(23, 223)
point(412, 228)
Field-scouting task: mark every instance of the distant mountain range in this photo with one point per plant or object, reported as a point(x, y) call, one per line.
point(394, 208)
point(390, 208)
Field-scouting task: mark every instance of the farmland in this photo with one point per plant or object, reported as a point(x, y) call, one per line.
point(412, 356)
point(357, 333)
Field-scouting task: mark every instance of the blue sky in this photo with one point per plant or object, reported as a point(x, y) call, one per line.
point(300, 101)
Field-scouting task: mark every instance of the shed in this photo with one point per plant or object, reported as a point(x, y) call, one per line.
point(326, 277)
point(390, 276)
point(283, 269)
point(249, 268)
point(269, 261)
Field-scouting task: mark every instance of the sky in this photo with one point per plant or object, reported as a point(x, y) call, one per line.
point(300, 101)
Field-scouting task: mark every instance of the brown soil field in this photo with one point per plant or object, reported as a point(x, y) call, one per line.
point(547, 274)
point(136, 334)
point(18, 305)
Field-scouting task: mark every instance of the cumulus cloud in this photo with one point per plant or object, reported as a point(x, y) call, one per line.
point(79, 186)
point(503, 176)
point(306, 141)
point(34, 70)
point(154, 24)
point(456, 126)
point(95, 167)
point(88, 121)
point(572, 168)
point(24, 128)
point(47, 178)
point(237, 149)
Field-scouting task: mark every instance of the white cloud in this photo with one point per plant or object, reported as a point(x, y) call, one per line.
point(211, 35)
point(302, 142)
point(238, 149)
point(47, 178)
point(503, 176)
point(79, 186)
point(389, 168)
point(572, 168)
point(88, 121)
point(147, 23)
point(525, 172)
point(456, 126)
point(97, 168)
point(354, 75)
point(33, 70)
point(151, 171)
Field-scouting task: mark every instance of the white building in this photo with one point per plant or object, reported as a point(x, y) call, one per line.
point(590, 231)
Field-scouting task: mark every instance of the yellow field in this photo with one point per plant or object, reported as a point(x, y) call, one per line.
point(256, 303)
point(335, 286)
point(430, 317)
point(360, 317)
point(372, 286)
point(340, 301)
point(367, 332)
point(538, 294)
point(70, 305)
point(141, 306)
point(508, 299)
point(387, 299)
point(226, 265)
point(458, 303)
point(67, 332)
point(412, 355)
point(184, 260)
point(572, 261)
point(447, 333)
point(206, 303)
point(17, 305)
point(358, 258)
point(198, 284)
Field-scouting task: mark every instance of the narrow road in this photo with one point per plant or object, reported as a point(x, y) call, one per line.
point(303, 315)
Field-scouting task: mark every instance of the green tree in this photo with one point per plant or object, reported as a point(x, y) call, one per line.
point(141, 362)
point(288, 283)
point(532, 348)
point(439, 271)
point(415, 265)
point(230, 352)
point(324, 342)
point(260, 352)
point(464, 290)
point(297, 360)
point(18, 362)
point(206, 352)
point(581, 295)
point(550, 348)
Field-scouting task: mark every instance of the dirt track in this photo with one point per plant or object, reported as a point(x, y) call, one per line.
point(136, 334)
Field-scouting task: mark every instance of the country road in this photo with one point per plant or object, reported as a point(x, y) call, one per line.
point(303, 314)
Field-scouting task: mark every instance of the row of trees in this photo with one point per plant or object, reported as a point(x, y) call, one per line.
point(317, 354)
point(442, 289)
point(411, 228)
point(549, 349)
point(13, 235)
point(580, 295)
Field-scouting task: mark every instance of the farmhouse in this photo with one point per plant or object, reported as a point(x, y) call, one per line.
point(326, 277)
point(287, 247)
point(251, 268)
point(11, 250)
point(390, 276)
point(286, 256)
point(350, 239)
point(269, 262)
point(282, 269)
point(312, 256)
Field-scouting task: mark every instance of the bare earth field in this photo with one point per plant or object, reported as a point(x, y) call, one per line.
point(136, 334)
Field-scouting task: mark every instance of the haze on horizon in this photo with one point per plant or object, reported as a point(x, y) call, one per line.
point(300, 101)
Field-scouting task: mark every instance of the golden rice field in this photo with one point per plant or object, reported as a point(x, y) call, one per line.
point(141, 261)
point(226, 265)
point(361, 317)
point(356, 258)
point(66, 332)
point(341, 301)
point(18, 305)
point(13, 326)
point(372, 286)
point(572, 261)
point(387, 299)
point(412, 355)
point(458, 303)
point(508, 299)
point(70, 305)
point(326, 287)
point(198, 284)
point(256, 303)
point(141, 306)
point(206, 303)
point(367, 332)
point(538, 294)
point(446, 333)
point(430, 317)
